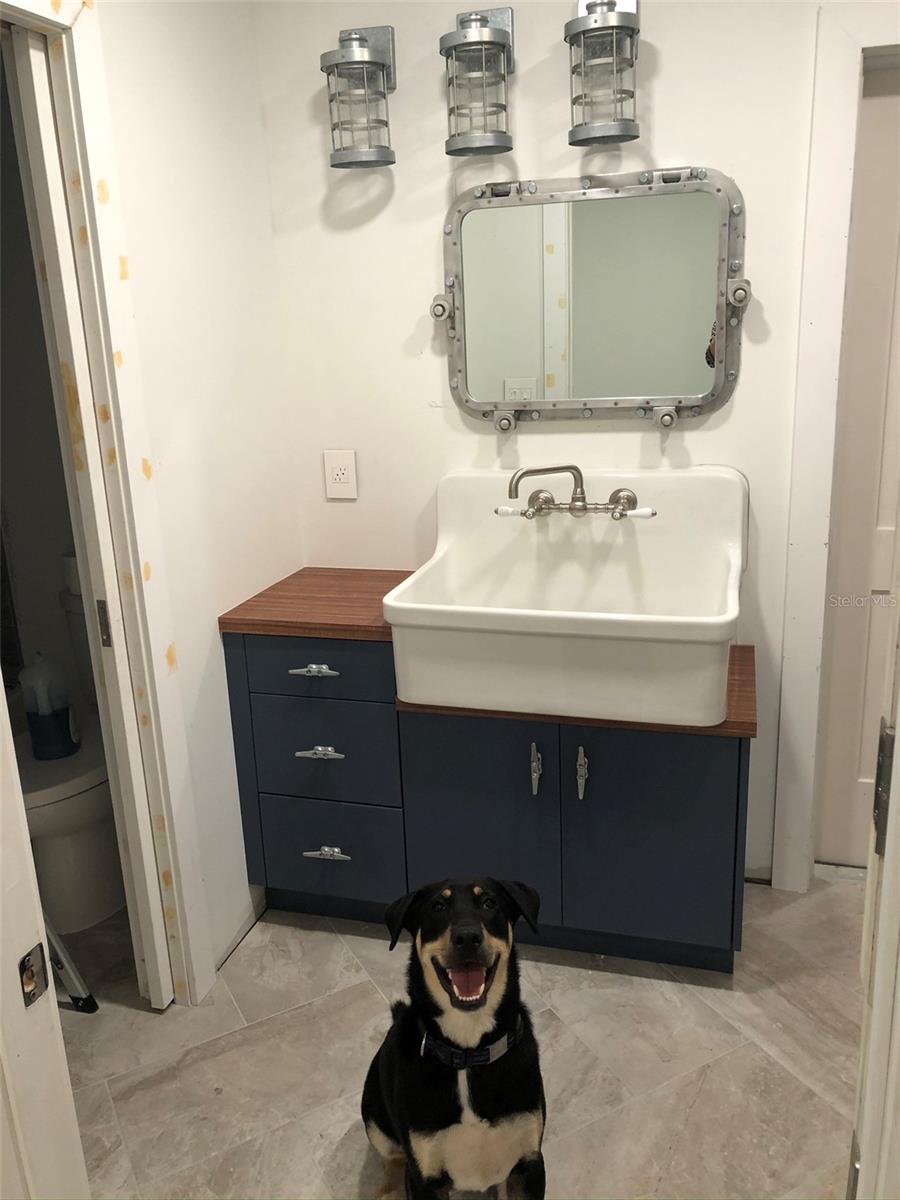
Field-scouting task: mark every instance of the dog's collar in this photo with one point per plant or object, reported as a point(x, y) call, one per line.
point(460, 1060)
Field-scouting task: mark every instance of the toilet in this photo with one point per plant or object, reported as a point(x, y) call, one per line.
point(69, 810)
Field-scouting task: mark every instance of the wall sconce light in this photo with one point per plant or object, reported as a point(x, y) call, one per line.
point(479, 54)
point(603, 48)
point(360, 73)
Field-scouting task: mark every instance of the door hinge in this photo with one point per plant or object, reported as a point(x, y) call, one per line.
point(103, 622)
point(853, 1172)
point(883, 784)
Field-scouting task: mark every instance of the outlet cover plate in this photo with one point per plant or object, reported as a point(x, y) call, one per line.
point(340, 474)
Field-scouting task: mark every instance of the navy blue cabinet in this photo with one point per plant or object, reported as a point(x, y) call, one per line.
point(327, 749)
point(481, 797)
point(649, 824)
point(634, 838)
point(354, 851)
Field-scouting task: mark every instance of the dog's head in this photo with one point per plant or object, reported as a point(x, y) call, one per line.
point(462, 932)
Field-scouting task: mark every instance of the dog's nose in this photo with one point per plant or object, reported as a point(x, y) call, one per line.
point(467, 937)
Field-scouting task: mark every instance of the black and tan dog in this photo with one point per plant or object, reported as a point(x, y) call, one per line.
point(454, 1096)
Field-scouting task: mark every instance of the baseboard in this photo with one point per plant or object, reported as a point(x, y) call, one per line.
point(834, 871)
point(712, 958)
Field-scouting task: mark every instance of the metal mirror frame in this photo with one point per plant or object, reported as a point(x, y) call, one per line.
point(732, 299)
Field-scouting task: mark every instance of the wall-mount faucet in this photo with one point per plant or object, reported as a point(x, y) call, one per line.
point(622, 502)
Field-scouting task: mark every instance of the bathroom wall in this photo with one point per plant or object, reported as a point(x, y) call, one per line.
point(224, 428)
point(358, 257)
point(37, 531)
point(282, 307)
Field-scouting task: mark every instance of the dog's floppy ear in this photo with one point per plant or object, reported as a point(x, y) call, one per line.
point(402, 915)
point(523, 900)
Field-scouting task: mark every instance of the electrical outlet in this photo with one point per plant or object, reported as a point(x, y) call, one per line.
point(340, 474)
point(518, 391)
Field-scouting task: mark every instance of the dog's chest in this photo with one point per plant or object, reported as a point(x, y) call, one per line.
point(476, 1153)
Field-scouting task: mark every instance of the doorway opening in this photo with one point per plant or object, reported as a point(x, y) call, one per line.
point(50, 681)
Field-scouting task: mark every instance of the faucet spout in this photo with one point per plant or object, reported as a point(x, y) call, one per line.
point(569, 469)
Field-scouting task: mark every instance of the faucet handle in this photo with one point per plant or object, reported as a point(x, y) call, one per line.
point(643, 514)
point(529, 513)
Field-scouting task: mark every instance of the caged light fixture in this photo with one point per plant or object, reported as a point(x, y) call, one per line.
point(603, 48)
point(360, 73)
point(479, 54)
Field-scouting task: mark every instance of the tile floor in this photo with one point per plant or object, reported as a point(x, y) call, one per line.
point(662, 1082)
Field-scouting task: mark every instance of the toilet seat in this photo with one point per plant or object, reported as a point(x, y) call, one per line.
point(57, 779)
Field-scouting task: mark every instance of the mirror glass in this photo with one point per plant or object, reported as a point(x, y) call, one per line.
point(579, 300)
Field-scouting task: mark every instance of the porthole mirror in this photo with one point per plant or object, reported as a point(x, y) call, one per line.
point(595, 296)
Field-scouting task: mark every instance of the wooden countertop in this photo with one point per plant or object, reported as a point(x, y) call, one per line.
point(323, 602)
point(336, 602)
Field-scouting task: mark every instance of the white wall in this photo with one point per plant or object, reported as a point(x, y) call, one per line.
point(191, 157)
point(358, 257)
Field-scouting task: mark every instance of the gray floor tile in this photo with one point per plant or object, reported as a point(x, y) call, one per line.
point(369, 944)
point(804, 1017)
point(741, 1126)
point(103, 953)
point(824, 925)
point(577, 1086)
point(249, 1082)
point(827, 1183)
point(108, 1165)
point(126, 1032)
point(288, 959)
point(644, 1026)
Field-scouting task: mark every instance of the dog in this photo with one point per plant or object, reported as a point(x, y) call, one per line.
point(454, 1096)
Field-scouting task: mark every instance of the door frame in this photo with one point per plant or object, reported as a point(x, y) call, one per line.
point(85, 291)
point(842, 37)
point(37, 1108)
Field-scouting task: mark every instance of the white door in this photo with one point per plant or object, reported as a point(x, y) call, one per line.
point(877, 1140)
point(31, 101)
point(40, 1145)
point(861, 607)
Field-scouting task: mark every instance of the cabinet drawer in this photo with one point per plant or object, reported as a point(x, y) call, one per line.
point(371, 839)
point(365, 734)
point(357, 670)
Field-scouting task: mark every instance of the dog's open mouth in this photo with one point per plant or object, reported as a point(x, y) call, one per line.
point(468, 984)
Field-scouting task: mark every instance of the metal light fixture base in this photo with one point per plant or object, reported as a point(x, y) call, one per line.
point(606, 134)
point(463, 145)
point(379, 48)
point(377, 156)
point(500, 30)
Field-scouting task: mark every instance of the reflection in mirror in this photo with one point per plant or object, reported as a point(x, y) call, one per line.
point(584, 300)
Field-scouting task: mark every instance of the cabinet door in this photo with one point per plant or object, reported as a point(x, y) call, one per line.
point(469, 805)
point(649, 849)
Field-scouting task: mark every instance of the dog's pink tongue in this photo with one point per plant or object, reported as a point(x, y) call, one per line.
point(467, 980)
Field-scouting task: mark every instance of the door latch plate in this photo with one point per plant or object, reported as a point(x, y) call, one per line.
point(33, 974)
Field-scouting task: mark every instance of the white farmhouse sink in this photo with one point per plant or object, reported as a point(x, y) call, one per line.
point(625, 620)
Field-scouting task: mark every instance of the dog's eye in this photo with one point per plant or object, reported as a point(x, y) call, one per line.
point(438, 906)
point(488, 902)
